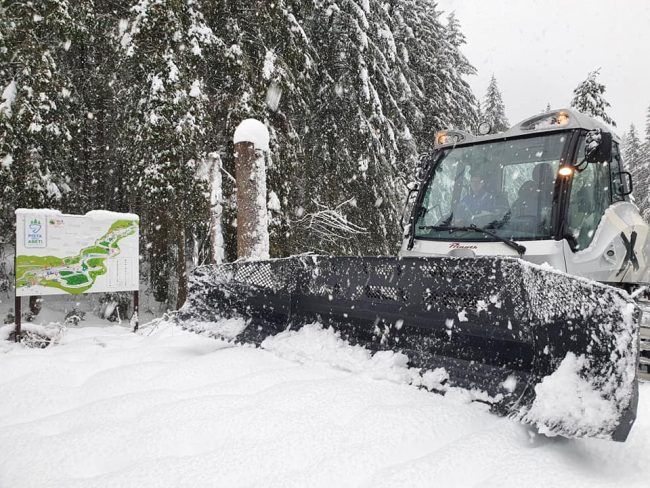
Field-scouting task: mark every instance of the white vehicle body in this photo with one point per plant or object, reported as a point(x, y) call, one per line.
point(590, 226)
point(618, 251)
point(605, 259)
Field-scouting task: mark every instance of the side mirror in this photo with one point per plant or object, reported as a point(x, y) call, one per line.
point(598, 146)
point(408, 206)
point(627, 185)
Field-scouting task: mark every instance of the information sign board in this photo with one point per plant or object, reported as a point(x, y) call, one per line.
point(72, 254)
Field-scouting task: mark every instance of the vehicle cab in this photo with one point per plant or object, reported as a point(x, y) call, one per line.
point(551, 190)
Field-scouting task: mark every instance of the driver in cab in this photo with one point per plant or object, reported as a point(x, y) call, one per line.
point(480, 203)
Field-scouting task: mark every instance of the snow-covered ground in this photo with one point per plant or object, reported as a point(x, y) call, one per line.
point(106, 407)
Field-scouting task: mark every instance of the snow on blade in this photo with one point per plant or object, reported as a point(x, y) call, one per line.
point(566, 402)
point(313, 343)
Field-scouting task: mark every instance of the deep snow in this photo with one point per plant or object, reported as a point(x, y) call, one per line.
point(106, 407)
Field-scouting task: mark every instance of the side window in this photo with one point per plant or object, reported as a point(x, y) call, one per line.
point(615, 168)
point(590, 196)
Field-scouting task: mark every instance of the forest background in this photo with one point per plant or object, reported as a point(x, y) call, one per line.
point(130, 106)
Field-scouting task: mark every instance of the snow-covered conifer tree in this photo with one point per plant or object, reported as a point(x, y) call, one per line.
point(435, 70)
point(164, 43)
point(632, 148)
point(494, 111)
point(94, 60)
point(479, 116)
point(356, 125)
point(463, 106)
point(647, 135)
point(645, 164)
point(37, 118)
point(637, 164)
point(588, 98)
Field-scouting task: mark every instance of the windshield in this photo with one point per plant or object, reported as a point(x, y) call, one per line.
point(505, 186)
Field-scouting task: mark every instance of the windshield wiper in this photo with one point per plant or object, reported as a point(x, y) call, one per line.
point(473, 228)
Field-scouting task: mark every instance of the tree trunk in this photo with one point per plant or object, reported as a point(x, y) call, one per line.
point(159, 254)
point(216, 210)
point(181, 268)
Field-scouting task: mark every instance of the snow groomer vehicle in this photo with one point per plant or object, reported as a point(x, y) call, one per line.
point(520, 279)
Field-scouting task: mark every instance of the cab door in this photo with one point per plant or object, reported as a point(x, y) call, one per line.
point(606, 238)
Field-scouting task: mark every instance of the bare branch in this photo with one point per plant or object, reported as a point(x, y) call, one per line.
point(331, 225)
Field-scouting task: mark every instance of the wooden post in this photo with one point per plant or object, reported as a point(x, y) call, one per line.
point(246, 191)
point(251, 139)
point(17, 302)
point(17, 319)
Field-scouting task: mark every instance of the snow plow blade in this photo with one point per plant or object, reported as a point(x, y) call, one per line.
point(557, 352)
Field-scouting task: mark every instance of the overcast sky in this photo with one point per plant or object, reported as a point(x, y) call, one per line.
point(540, 50)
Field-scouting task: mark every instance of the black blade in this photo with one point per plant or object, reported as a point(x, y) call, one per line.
point(498, 325)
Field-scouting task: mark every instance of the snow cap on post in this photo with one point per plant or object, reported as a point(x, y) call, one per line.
point(253, 131)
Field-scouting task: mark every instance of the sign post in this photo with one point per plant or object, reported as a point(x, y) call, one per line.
point(17, 315)
point(59, 254)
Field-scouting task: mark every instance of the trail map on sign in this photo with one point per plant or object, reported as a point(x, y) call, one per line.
point(59, 254)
